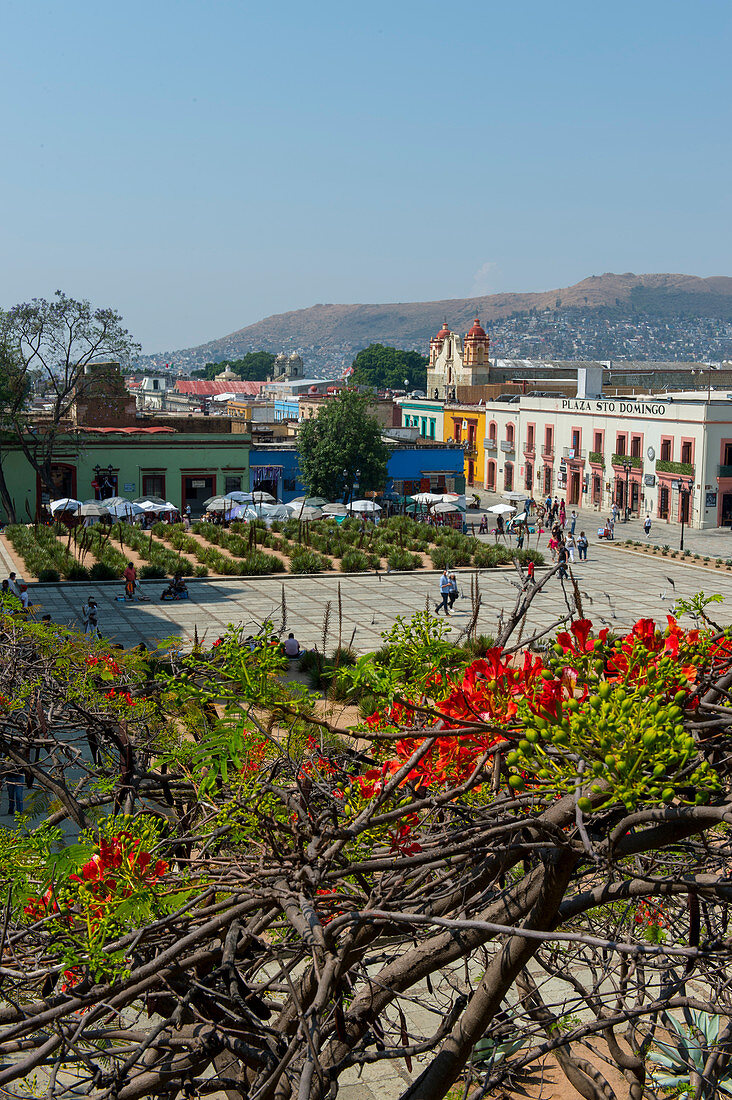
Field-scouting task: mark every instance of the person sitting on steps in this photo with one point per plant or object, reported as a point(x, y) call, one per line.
point(176, 590)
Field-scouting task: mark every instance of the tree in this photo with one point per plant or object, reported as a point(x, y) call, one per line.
point(531, 849)
point(342, 445)
point(47, 345)
point(255, 366)
point(387, 368)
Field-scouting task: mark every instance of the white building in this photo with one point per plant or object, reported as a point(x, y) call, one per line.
point(661, 452)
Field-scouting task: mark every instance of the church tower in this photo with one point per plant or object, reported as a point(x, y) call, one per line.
point(456, 362)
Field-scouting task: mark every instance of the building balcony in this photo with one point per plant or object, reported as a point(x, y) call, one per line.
point(724, 471)
point(470, 450)
point(548, 452)
point(490, 444)
point(632, 460)
point(508, 446)
point(530, 448)
point(574, 454)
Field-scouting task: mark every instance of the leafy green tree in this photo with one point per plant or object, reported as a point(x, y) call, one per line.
point(47, 345)
point(387, 368)
point(342, 446)
point(252, 367)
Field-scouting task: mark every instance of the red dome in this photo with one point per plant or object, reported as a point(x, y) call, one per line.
point(444, 331)
point(477, 329)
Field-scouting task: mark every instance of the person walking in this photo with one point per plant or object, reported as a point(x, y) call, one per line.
point(553, 546)
point(571, 546)
point(647, 526)
point(14, 585)
point(548, 504)
point(130, 575)
point(582, 546)
point(444, 594)
point(453, 590)
point(90, 617)
point(530, 567)
point(615, 512)
point(572, 522)
point(555, 508)
point(562, 515)
point(611, 527)
point(562, 559)
point(14, 783)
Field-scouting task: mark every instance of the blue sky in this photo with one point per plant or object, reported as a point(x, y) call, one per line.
point(202, 165)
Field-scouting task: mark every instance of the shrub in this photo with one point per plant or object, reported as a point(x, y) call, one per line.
point(307, 561)
point(201, 571)
point(488, 557)
point(449, 557)
point(49, 576)
point(78, 573)
point(401, 560)
point(153, 572)
point(102, 572)
point(479, 646)
point(525, 556)
point(354, 561)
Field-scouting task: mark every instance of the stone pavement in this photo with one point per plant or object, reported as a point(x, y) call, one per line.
point(619, 587)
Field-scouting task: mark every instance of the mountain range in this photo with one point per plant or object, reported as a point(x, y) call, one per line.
point(329, 335)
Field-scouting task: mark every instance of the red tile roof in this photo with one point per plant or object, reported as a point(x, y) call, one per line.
point(204, 387)
point(128, 431)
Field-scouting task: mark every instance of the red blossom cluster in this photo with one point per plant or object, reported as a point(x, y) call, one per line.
point(121, 696)
point(106, 661)
point(650, 915)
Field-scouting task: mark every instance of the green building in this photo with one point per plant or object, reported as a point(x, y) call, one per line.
point(182, 466)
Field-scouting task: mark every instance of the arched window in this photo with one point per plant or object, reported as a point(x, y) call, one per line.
point(490, 477)
point(509, 433)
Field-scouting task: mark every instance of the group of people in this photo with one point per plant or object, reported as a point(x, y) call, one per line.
point(13, 586)
point(448, 593)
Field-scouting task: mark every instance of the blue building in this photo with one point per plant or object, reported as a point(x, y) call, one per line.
point(273, 468)
point(286, 408)
point(438, 468)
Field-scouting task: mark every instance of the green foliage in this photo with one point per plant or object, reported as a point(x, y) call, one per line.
point(685, 1055)
point(355, 561)
point(78, 573)
point(152, 572)
point(385, 367)
point(307, 561)
point(342, 439)
point(665, 466)
point(252, 367)
point(488, 557)
point(450, 557)
point(400, 560)
point(41, 550)
point(49, 576)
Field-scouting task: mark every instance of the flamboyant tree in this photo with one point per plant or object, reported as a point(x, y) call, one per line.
point(233, 889)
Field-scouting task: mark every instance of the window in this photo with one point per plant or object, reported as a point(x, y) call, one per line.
point(620, 445)
point(153, 485)
point(423, 431)
point(635, 446)
point(288, 485)
point(232, 484)
point(548, 439)
point(575, 440)
point(458, 429)
point(509, 433)
point(686, 449)
point(598, 443)
point(728, 454)
point(530, 440)
point(432, 429)
point(666, 450)
point(508, 476)
point(529, 476)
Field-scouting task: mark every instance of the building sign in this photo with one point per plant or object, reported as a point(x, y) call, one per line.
point(198, 483)
point(711, 500)
point(627, 408)
point(130, 486)
point(649, 480)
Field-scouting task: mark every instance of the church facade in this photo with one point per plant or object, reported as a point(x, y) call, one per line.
point(457, 361)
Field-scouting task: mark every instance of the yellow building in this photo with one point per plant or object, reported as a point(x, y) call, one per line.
point(466, 424)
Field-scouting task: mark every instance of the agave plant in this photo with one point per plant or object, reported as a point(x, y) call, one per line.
point(681, 1062)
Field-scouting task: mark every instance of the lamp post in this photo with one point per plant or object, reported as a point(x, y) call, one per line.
point(627, 466)
point(685, 494)
point(103, 480)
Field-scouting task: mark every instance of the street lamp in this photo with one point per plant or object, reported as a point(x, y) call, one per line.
point(708, 371)
point(103, 480)
point(627, 466)
point(685, 494)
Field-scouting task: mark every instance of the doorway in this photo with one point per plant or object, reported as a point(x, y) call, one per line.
point(663, 502)
point(574, 486)
point(195, 489)
point(726, 520)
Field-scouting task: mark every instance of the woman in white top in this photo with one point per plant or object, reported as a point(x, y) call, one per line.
point(571, 544)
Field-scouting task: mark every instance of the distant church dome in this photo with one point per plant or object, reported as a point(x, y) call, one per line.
point(227, 375)
point(444, 331)
point(477, 329)
point(294, 357)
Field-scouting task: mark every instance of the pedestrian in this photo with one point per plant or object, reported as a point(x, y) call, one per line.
point(188, 512)
point(130, 575)
point(444, 594)
point(572, 522)
point(548, 504)
point(571, 546)
point(555, 508)
point(611, 527)
point(615, 512)
point(562, 559)
point(562, 515)
point(553, 546)
point(647, 526)
point(453, 590)
point(14, 586)
point(582, 546)
point(14, 782)
point(24, 599)
point(89, 617)
point(530, 578)
point(520, 537)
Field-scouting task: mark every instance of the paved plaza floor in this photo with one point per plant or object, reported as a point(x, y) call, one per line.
point(618, 588)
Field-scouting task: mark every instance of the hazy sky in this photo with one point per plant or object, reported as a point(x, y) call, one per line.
point(200, 165)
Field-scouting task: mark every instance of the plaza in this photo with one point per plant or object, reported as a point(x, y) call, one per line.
point(617, 586)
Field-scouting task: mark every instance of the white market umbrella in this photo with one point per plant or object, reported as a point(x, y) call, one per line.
point(93, 508)
point(335, 510)
point(150, 500)
point(238, 496)
point(520, 519)
point(446, 506)
point(304, 511)
point(267, 512)
point(263, 498)
point(500, 509)
point(455, 498)
point(363, 506)
point(123, 509)
point(521, 497)
point(64, 504)
point(218, 504)
point(312, 502)
point(427, 498)
point(154, 509)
